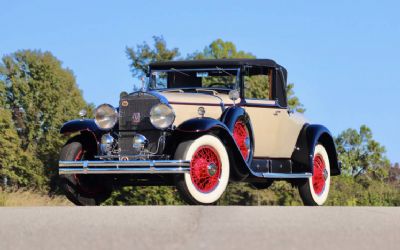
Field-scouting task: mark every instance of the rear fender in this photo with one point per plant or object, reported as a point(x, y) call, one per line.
point(308, 138)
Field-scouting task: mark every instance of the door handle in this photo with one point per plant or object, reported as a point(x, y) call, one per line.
point(277, 112)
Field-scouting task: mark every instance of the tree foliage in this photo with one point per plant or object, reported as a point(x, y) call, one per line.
point(158, 195)
point(220, 49)
point(14, 167)
point(144, 54)
point(293, 101)
point(40, 95)
point(361, 154)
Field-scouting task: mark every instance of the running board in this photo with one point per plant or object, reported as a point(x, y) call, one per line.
point(287, 176)
point(276, 169)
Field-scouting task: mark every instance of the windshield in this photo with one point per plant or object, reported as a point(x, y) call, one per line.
point(215, 78)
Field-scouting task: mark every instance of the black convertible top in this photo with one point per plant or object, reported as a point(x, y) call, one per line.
point(215, 62)
point(238, 62)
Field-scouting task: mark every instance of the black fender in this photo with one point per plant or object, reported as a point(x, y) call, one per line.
point(232, 114)
point(75, 126)
point(309, 137)
point(229, 118)
point(89, 132)
point(196, 127)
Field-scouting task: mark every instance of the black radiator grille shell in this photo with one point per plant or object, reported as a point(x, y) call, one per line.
point(139, 103)
point(131, 105)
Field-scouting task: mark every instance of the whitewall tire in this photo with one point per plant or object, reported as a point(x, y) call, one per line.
point(209, 170)
point(314, 192)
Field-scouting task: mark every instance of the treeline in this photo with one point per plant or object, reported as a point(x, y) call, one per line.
point(38, 94)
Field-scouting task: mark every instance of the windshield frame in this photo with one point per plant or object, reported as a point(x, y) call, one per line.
point(173, 69)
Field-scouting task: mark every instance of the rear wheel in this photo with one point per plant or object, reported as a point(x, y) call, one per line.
point(209, 170)
point(315, 190)
point(83, 190)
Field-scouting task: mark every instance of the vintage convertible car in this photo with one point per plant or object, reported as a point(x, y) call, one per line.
point(199, 125)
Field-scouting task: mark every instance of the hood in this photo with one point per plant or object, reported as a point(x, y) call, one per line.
point(196, 98)
point(186, 105)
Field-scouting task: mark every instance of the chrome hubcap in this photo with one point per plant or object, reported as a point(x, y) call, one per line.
point(212, 169)
point(325, 174)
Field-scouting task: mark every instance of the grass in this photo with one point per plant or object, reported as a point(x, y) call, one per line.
point(26, 198)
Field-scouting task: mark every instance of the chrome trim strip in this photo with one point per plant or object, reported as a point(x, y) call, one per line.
point(286, 176)
point(124, 167)
point(88, 164)
point(141, 170)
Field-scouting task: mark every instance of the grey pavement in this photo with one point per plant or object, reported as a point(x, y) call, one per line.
point(198, 227)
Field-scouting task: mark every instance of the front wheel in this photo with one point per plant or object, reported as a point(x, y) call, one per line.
point(314, 191)
point(209, 170)
point(82, 190)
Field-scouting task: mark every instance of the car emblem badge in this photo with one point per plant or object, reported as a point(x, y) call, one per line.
point(136, 118)
point(124, 103)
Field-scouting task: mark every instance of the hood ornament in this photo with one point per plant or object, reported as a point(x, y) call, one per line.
point(143, 84)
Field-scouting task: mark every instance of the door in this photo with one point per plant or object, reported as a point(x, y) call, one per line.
point(265, 115)
point(265, 119)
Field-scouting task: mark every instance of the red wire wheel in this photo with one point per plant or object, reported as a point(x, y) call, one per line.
point(319, 176)
point(205, 169)
point(241, 136)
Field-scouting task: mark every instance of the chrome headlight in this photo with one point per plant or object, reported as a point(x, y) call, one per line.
point(105, 116)
point(162, 116)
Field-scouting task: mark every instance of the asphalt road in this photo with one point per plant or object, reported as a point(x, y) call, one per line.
point(184, 227)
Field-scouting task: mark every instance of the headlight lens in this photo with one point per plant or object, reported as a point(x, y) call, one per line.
point(162, 116)
point(105, 116)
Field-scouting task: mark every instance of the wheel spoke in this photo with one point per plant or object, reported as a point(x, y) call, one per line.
point(241, 136)
point(318, 179)
point(204, 178)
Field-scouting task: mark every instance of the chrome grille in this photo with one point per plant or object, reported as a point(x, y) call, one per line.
point(134, 111)
point(130, 108)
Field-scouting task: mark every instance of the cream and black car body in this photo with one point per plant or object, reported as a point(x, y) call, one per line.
point(199, 125)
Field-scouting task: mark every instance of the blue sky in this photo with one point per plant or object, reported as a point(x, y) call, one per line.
point(343, 56)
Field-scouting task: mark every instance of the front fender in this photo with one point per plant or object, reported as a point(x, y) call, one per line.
point(309, 137)
point(194, 128)
point(232, 114)
point(75, 126)
point(198, 125)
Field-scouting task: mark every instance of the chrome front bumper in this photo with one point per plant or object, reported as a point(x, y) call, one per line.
point(124, 167)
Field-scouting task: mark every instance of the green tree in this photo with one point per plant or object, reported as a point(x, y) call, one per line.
point(361, 154)
point(42, 96)
point(13, 168)
point(144, 54)
point(158, 195)
point(220, 49)
point(293, 101)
